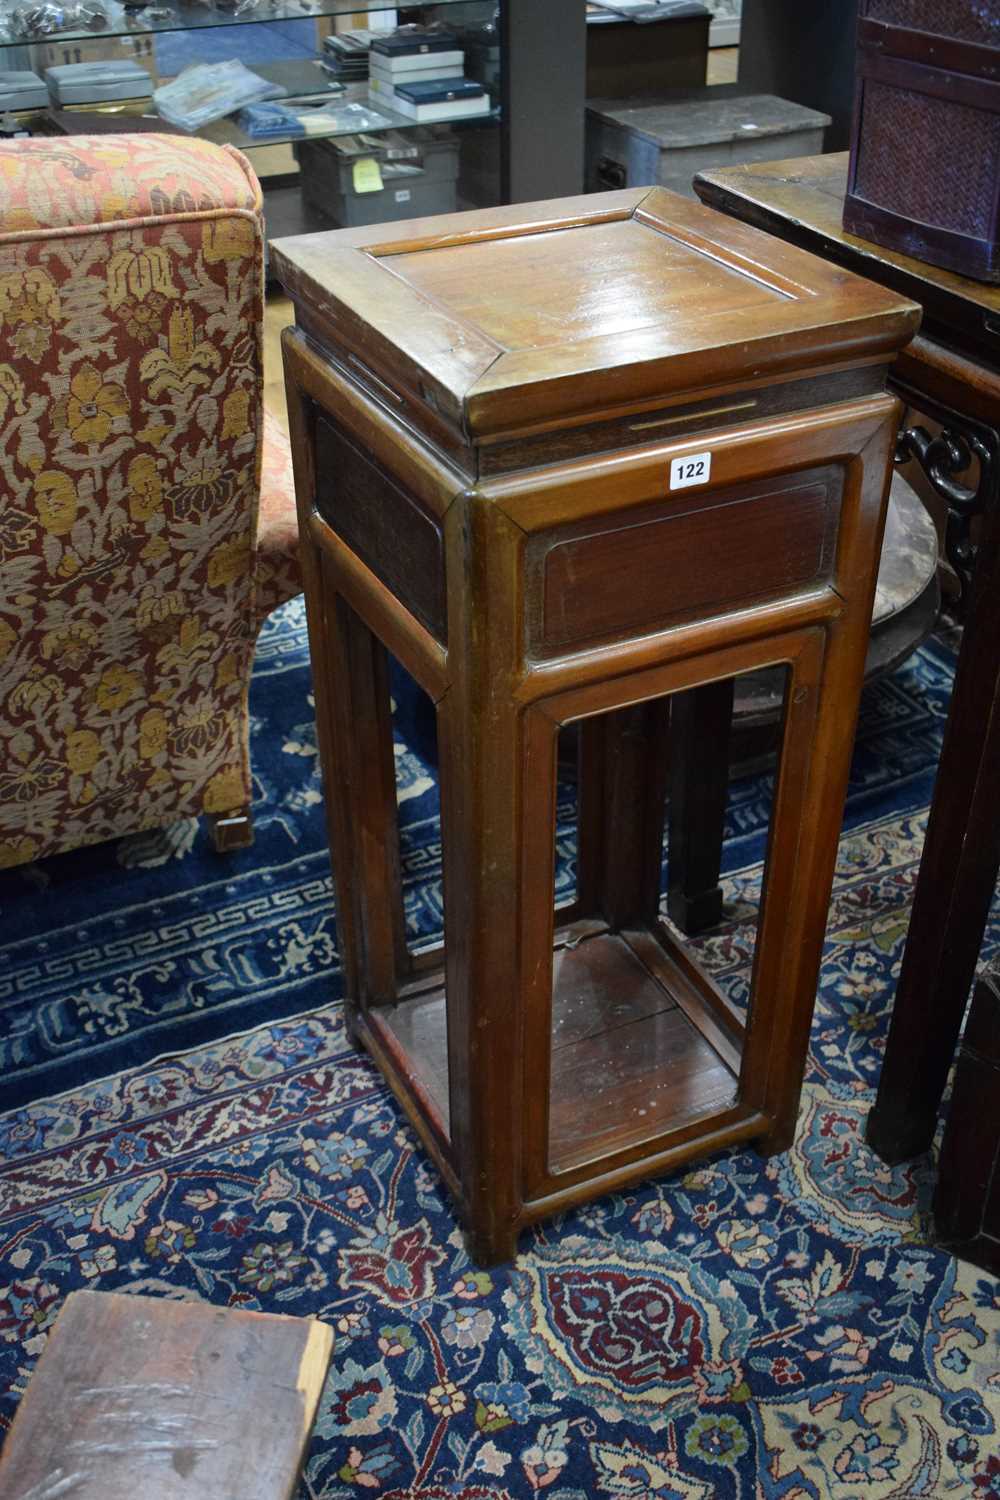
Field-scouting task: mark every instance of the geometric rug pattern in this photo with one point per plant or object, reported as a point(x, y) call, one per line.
point(763, 1330)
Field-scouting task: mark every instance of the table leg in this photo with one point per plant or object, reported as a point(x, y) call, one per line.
point(487, 801)
point(967, 1198)
point(360, 788)
point(635, 760)
point(955, 885)
point(624, 755)
point(700, 730)
point(628, 760)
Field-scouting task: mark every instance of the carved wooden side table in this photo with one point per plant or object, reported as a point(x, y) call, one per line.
point(565, 461)
point(951, 375)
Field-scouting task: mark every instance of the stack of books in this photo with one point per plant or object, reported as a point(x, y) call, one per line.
point(345, 56)
point(421, 74)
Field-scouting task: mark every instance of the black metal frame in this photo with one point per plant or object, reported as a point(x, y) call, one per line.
point(544, 52)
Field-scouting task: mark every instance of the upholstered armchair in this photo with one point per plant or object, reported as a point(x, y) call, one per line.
point(138, 550)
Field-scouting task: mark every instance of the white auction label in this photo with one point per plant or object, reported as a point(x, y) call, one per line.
point(402, 195)
point(694, 469)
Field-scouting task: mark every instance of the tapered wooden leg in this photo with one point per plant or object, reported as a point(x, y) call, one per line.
point(329, 659)
point(488, 885)
point(700, 731)
point(617, 778)
point(387, 958)
point(821, 707)
point(364, 764)
point(805, 820)
point(354, 730)
point(590, 819)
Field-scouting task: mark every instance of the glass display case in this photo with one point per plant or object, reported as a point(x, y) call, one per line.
point(345, 156)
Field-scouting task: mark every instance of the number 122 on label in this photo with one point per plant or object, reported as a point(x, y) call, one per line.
point(694, 469)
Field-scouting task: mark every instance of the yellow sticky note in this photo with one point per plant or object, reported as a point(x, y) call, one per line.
point(367, 175)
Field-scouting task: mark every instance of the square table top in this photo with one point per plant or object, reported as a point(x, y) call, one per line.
point(548, 310)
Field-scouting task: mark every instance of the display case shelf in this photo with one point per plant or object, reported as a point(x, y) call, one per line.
point(192, 17)
point(226, 132)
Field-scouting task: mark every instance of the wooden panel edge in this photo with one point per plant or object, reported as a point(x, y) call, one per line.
point(313, 1366)
point(446, 359)
point(579, 1184)
point(416, 465)
point(519, 387)
point(424, 658)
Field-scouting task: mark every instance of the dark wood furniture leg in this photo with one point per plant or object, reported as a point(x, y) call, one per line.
point(635, 742)
point(488, 882)
point(355, 734)
point(232, 830)
point(700, 731)
point(958, 874)
point(967, 1198)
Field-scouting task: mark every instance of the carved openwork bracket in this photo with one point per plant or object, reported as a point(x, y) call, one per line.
point(942, 459)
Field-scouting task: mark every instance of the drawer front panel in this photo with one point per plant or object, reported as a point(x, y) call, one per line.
point(684, 558)
point(384, 526)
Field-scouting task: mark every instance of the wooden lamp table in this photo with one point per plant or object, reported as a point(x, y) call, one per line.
point(565, 461)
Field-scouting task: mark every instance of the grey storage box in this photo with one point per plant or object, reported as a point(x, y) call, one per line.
point(419, 174)
point(665, 142)
point(98, 82)
point(22, 91)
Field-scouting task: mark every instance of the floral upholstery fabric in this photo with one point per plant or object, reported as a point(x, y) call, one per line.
point(278, 574)
point(131, 291)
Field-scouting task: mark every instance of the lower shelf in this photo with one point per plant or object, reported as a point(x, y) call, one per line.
point(628, 1063)
point(641, 1044)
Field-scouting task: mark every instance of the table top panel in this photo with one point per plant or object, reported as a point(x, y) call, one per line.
point(557, 288)
point(581, 304)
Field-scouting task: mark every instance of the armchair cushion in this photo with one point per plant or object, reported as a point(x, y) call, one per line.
point(49, 183)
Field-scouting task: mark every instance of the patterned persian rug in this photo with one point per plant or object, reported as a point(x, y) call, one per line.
point(110, 955)
point(193, 1124)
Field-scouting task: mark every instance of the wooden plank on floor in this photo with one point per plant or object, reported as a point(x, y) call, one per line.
point(143, 1398)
